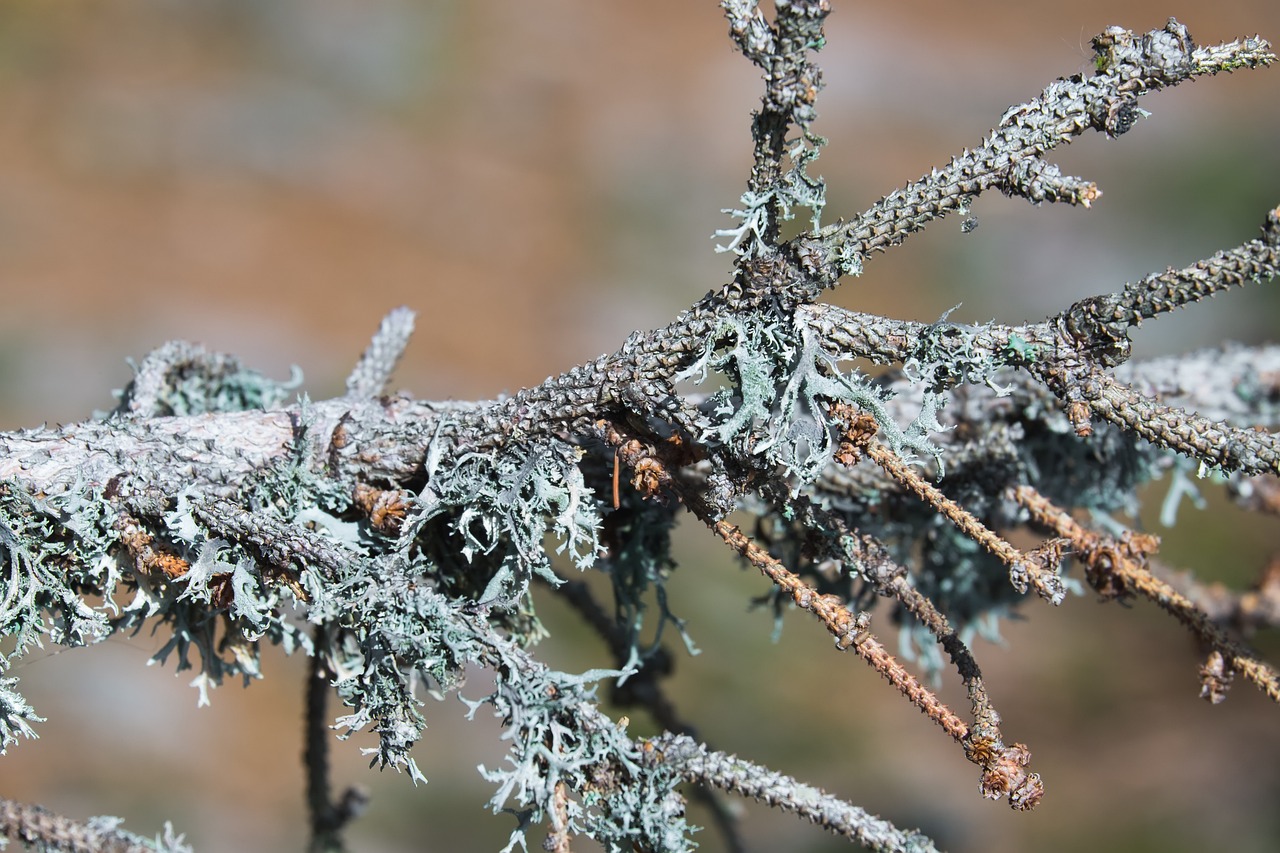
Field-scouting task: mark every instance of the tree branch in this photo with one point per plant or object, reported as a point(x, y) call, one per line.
point(395, 540)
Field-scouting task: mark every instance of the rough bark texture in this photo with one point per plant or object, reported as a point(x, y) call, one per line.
point(396, 540)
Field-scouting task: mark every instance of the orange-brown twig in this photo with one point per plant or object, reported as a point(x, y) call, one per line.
point(1118, 568)
point(1245, 611)
point(850, 630)
point(877, 567)
point(558, 840)
point(617, 502)
point(1004, 767)
point(1039, 568)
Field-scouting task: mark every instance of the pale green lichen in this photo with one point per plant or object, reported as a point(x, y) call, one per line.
point(781, 386)
point(795, 188)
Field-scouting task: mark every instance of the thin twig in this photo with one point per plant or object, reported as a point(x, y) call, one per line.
point(871, 561)
point(696, 763)
point(373, 371)
point(1245, 611)
point(1004, 766)
point(327, 818)
point(325, 834)
point(644, 688)
point(1130, 65)
point(1119, 568)
point(1039, 568)
point(850, 630)
point(558, 839)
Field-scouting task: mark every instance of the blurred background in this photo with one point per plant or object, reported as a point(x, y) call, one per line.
point(269, 177)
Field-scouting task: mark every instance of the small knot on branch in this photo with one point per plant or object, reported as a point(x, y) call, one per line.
point(860, 429)
point(1215, 678)
point(386, 508)
point(1007, 774)
point(1151, 60)
point(1105, 556)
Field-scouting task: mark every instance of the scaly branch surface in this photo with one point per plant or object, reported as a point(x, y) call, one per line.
point(395, 540)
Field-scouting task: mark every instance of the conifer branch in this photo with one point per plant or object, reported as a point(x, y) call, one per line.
point(395, 540)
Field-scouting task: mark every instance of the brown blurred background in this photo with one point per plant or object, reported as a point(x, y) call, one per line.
point(269, 177)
